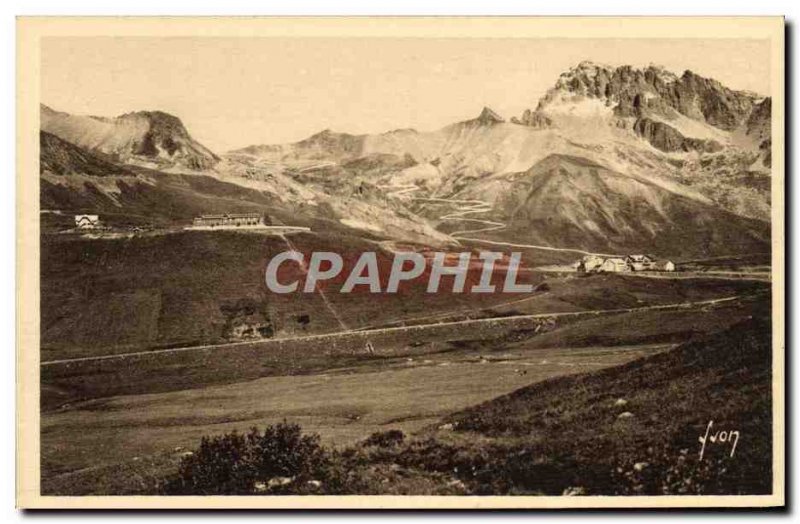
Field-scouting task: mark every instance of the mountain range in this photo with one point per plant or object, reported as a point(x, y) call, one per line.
point(609, 159)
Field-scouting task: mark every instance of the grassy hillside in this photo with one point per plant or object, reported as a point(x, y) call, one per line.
point(186, 288)
point(201, 287)
point(629, 430)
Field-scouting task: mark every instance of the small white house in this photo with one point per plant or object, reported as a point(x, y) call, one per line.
point(87, 221)
point(665, 265)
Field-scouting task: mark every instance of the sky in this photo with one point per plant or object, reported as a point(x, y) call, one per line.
point(234, 92)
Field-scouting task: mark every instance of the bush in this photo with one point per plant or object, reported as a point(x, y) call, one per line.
point(385, 439)
point(280, 460)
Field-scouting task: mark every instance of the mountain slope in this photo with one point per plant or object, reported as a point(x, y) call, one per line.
point(149, 138)
point(575, 202)
point(75, 181)
point(59, 157)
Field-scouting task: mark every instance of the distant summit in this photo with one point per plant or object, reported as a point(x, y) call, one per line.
point(673, 113)
point(489, 117)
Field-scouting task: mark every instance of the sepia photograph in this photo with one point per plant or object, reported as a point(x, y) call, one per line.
point(400, 263)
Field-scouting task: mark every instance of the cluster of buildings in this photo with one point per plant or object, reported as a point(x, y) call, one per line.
point(621, 264)
point(229, 220)
point(226, 220)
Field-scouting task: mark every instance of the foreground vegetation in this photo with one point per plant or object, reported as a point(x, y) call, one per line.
point(628, 430)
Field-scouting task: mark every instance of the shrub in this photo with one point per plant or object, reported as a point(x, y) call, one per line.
point(279, 460)
point(385, 439)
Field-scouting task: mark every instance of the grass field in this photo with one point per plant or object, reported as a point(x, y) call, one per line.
point(344, 405)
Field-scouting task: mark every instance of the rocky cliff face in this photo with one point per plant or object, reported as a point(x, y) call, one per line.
point(758, 128)
point(758, 123)
point(534, 119)
point(633, 92)
point(648, 100)
point(667, 138)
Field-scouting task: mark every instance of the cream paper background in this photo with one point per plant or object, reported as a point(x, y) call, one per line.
point(30, 31)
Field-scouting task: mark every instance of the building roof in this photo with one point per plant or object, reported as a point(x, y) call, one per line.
point(231, 215)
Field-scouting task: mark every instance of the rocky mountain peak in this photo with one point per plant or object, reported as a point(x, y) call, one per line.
point(488, 117)
point(644, 100)
point(159, 122)
point(653, 89)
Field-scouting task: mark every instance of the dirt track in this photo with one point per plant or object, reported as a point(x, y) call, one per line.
point(354, 342)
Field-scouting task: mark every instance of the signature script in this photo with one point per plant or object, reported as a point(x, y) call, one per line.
point(730, 437)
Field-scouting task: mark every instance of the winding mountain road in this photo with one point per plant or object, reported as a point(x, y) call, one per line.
point(469, 207)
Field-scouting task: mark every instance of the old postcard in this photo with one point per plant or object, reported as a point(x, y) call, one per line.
point(400, 262)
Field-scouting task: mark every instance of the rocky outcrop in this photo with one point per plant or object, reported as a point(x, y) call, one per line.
point(760, 120)
point(667, 138)
point(759, 128)
point(167, 134)
point(695, 96)
point(533, 119)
